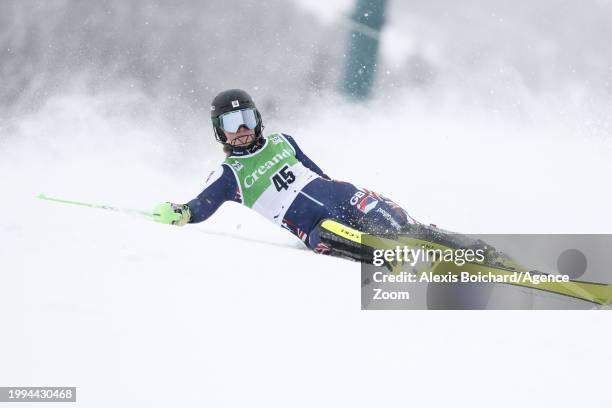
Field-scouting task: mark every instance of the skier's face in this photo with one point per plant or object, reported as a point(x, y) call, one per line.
point(243, 137)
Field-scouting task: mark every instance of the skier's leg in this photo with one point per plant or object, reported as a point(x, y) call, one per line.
point(358, 209)
point(376, 214)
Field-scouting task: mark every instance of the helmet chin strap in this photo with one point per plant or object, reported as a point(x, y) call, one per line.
point(243, 143)
point(250, 148)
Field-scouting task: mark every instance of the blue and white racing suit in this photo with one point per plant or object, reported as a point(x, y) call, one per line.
point(320, 199)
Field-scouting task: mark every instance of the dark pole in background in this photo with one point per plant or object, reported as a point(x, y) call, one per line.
point(362, 52)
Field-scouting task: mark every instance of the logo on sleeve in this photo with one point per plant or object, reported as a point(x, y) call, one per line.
point(237, 166)
point(363, 202)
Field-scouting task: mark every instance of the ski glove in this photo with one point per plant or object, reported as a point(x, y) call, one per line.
point(170, 213)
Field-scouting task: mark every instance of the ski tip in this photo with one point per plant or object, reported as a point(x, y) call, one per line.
point(41, 196)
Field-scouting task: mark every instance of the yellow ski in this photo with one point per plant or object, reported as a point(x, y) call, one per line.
point(598, 293)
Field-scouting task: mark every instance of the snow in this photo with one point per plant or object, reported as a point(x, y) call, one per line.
point(136, 313)
point(508, 131)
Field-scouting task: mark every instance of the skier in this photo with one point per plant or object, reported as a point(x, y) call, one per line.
point(271, 175)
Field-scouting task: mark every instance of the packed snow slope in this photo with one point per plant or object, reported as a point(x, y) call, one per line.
point(232, 312)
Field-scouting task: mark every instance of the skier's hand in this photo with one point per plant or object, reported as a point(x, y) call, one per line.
point(170, 213)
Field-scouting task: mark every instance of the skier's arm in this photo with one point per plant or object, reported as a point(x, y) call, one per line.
point(305, 160)
point(221, 186)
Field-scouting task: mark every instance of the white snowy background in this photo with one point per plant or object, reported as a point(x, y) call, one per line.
point(502, 127)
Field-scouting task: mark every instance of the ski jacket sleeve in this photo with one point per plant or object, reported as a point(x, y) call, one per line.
point(305, 160)
point(221, 186)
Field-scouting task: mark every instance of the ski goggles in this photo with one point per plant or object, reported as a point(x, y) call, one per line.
point(232, 121)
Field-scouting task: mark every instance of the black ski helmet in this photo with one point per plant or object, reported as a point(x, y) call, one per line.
point(228, 101)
